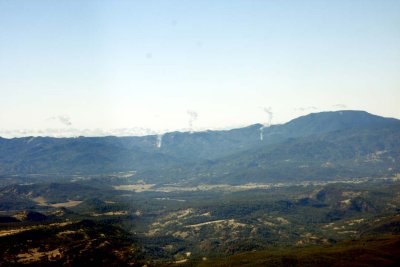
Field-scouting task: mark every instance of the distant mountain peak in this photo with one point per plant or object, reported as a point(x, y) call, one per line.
point(329, 121)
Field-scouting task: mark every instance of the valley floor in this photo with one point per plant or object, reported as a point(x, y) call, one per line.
point(96, 222)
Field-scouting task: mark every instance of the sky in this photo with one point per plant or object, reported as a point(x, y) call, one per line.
point(71, 68)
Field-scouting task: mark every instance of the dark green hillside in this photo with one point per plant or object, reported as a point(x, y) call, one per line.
point(328, 145)
point(75, 155)
point(345, 154)
point(378, 251)
point(210, 145)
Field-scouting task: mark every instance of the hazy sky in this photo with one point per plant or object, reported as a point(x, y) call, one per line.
point(134, 65)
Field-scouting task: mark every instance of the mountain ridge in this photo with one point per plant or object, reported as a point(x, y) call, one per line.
point(307, 147)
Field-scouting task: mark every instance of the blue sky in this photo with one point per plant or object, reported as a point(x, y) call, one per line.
point(126, 66)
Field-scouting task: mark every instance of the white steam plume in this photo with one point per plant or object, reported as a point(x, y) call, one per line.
point(192, 118)
point(159, 140)
point(268, 123)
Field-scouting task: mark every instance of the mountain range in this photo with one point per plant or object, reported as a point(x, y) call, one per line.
point(325, 145)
